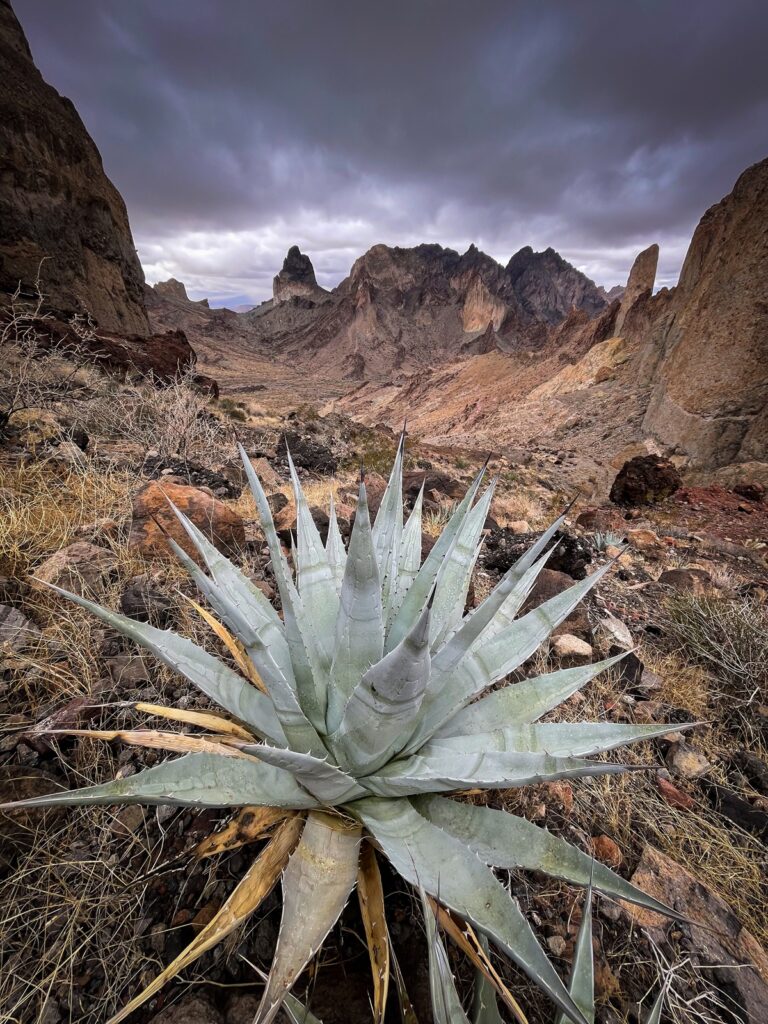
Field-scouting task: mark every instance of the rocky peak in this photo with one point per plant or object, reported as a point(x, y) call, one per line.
point(172, 289)
point(710, 336)
point(642, 278)
point(548, 286)
point(60, 214)
point(296, 279)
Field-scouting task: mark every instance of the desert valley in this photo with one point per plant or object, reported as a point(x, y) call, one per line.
point(637, 413)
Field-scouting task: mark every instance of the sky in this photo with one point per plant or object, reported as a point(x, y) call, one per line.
point(237, 128)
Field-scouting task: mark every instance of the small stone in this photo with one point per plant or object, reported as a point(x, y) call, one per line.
point(697, 582)
point(607, 851)
point(17, 632)
point(673, 796)
point(687, 762)
point(266, 588)
point(128, 821)
point(570, 650)
point(644, 540)
point(557, 944)
point(79, 567)
point(519, 526)
point(561, 794)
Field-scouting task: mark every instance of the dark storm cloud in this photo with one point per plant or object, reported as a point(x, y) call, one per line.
point(234, 128)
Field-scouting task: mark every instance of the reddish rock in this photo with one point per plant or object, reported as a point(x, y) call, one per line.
point(152, 515)
point(697, 582)
point(607, 851)
point(80, 567)
point(645, 480)
point(752, 491)
point(673, 796)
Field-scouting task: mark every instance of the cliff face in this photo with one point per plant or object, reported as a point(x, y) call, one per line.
point(57, 204)
point(709, 336)
point(297, 279)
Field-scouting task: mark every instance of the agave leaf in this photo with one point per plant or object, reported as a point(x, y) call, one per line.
point(195, 780)
point(203, 719)
point(561, 739)
point(246, 826)
point(452, 584)
point(507, 841)
point(297, 1012)
point(234, 646)
point(485, 1009)
point(385, 703)
point(446, 1005)
point(524, 563)
point(410, 558)
point(317, 882)
point(421, 588)
point(250, 892)
point(371, 897)
point(317, 587)
point(324, 781)
point(208, 673)
point(445, 771)
point(476, 948)
point(359, 629)
point(497, 611)
point(654, 1017)
point(582, 980)
point(262, 639)
point(304, 654)
point(485, 664)
point(334, 548)
point(447, 869)
point(388, 529)
point(520, 703)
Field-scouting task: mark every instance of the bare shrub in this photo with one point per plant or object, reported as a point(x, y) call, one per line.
point(174, 419)
point(730, 638)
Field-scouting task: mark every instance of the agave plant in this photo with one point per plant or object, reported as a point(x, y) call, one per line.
point(348, 722)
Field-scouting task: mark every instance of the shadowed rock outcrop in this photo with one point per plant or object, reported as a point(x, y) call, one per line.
point(709, 336)
point(59, 213)
point(297, 279)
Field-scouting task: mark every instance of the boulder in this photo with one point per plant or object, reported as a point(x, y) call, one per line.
point(17, 632)
point(144, 603)
point(433, 480)
point(645, 480)
point(728, 955)
point(81, 567)
point(153, 519)
point(696, 582)
point(599, 520)
point(752, 491)
point(550, 583)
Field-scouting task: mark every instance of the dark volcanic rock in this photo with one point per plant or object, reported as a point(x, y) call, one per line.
point(297, 279)
point(645, 480)
point(57, 204)
point(549, 287)
point(307, 453)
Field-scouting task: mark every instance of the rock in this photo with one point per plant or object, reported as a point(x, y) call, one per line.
point(17, 632)
point(277, 502)
point(549, 584)
point(191, 1009)
point(519, 526)
point(128, 671)
point(687, 762)
point(752, 491)
point(308, 452)
point(697, 582)
point(571, 555)
point(128, 820)
point(142, 602)
point(285, 523)
point(267, 590)
point(241, 1008)
point(297, 279)
point(56, 202)
point(432, 480)
point(599, 520)
point(269, 478)
point(607, 851)
point(80, 567)
point(18, 828)
point(642, 278)
point(719, 946)
point(571, 651)
point(645, 480)
point(557, 944)
point(673, 796)
point(708, 338)
point(645, 540)
point(222, 525)
point(616, 632)
point(752, 817)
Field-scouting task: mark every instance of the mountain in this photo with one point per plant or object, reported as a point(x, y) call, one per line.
point(404, 308)
point(59, 213)
point(684, 371)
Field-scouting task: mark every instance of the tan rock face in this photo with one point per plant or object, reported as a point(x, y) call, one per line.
point(710, 397)
point(642, 278)
point(57, 202)
point(152, 515)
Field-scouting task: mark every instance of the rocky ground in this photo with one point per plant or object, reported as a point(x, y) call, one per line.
point(94, 901)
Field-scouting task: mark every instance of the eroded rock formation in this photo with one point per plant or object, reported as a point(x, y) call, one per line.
point(642, 278)
point(59, 213)
point(297, 279)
